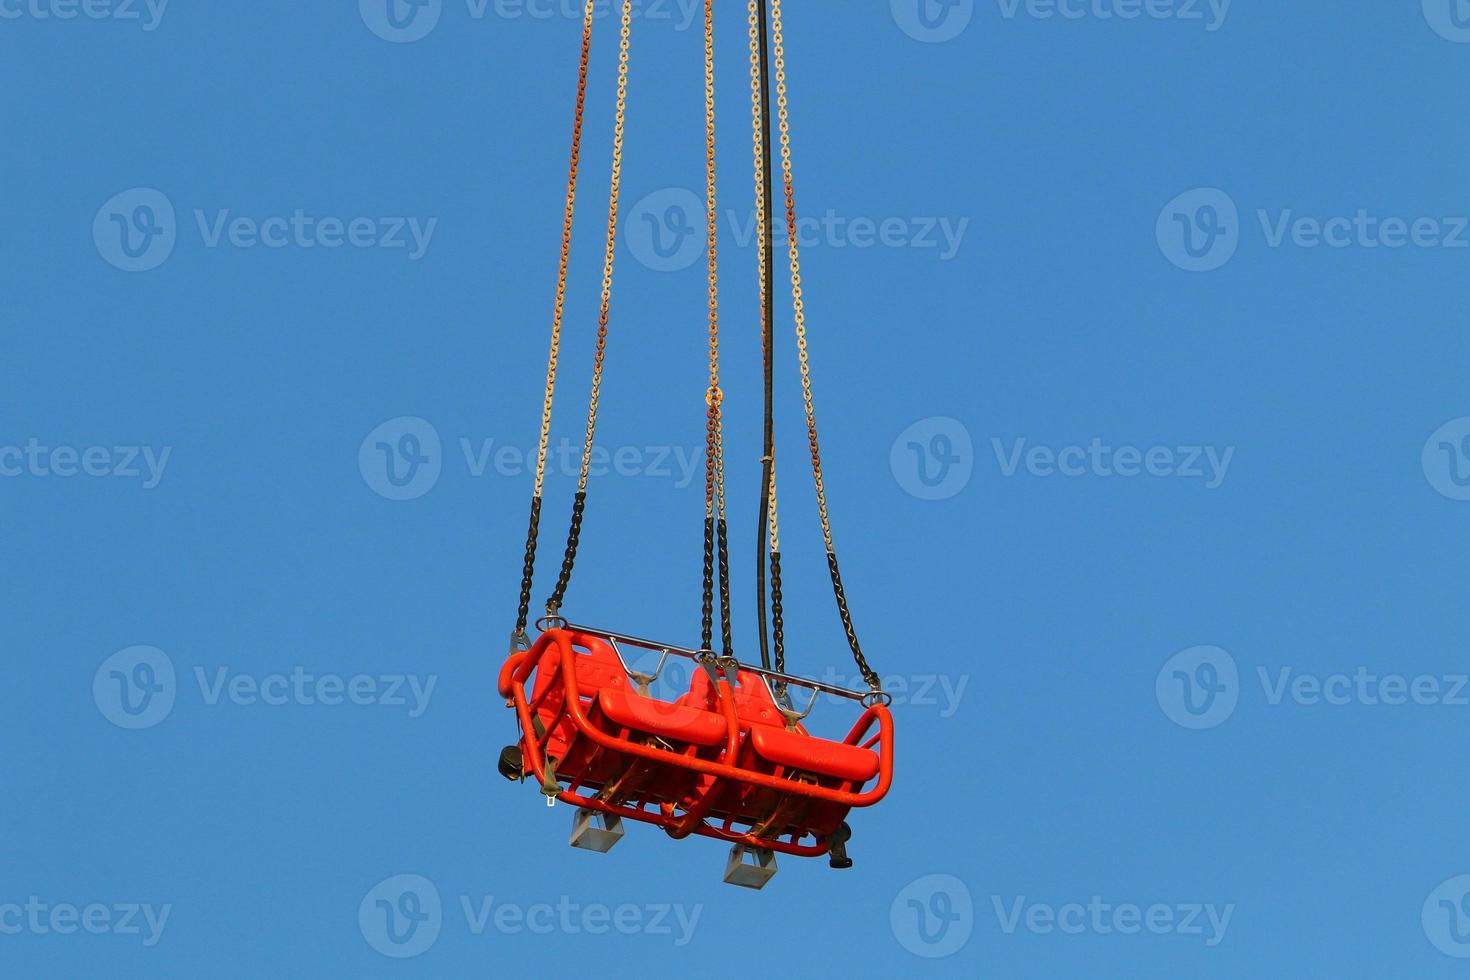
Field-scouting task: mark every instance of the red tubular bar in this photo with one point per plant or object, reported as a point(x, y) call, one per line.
point(724, 774)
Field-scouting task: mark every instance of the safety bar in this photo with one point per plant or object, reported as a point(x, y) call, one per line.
point(665, 649)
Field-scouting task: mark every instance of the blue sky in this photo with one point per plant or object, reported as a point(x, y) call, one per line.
point(1140, 365)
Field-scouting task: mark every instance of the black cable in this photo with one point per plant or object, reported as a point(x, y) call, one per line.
point(767, 339)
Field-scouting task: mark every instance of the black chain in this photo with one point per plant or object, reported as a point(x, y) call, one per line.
point(725, 632)
point(874, 681)
point(708, 626)
point(778, 619)
point(528, 569)
point(574, 538)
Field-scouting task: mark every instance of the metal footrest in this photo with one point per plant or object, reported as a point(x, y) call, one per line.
point(596, 831)
point(750, 867)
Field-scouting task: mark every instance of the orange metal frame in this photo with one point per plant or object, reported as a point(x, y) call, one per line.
point(721, 775)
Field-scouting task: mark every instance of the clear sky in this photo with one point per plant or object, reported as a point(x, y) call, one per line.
point(1139, 338)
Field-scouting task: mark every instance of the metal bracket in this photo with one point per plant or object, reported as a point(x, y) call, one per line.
point(750, 867)
point(593, 830)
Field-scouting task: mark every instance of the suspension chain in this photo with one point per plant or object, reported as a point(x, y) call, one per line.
point(793, 248)
point(760, 110)
point(716, 537)
point(553, 605)
point(528, 567)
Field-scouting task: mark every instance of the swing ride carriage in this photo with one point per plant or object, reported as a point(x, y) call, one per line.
point(730, 758)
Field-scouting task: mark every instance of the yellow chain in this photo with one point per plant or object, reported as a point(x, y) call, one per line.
point(625, 37)
point(759, 144)
point(793, 248)
point(714, 496)
point(566, 249)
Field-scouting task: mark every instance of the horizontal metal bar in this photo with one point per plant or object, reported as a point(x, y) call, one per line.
point(792, 679)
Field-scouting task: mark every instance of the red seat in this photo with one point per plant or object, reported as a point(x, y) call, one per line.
point(815, 755)
point(625, 753)
point(753, 703)
point(674, 721)
point(772, 741)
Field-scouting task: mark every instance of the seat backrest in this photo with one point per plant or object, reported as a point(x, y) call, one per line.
point(753, 702)
point(597, 666)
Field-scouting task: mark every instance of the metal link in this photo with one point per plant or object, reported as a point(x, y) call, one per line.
point(778, 614)
point(600, 353)
point(714, 483)
point(528, 568)
point(760, 112)
point(798, 302)
point(569, 559)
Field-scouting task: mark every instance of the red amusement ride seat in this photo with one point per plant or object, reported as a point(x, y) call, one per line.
point(728, 758)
